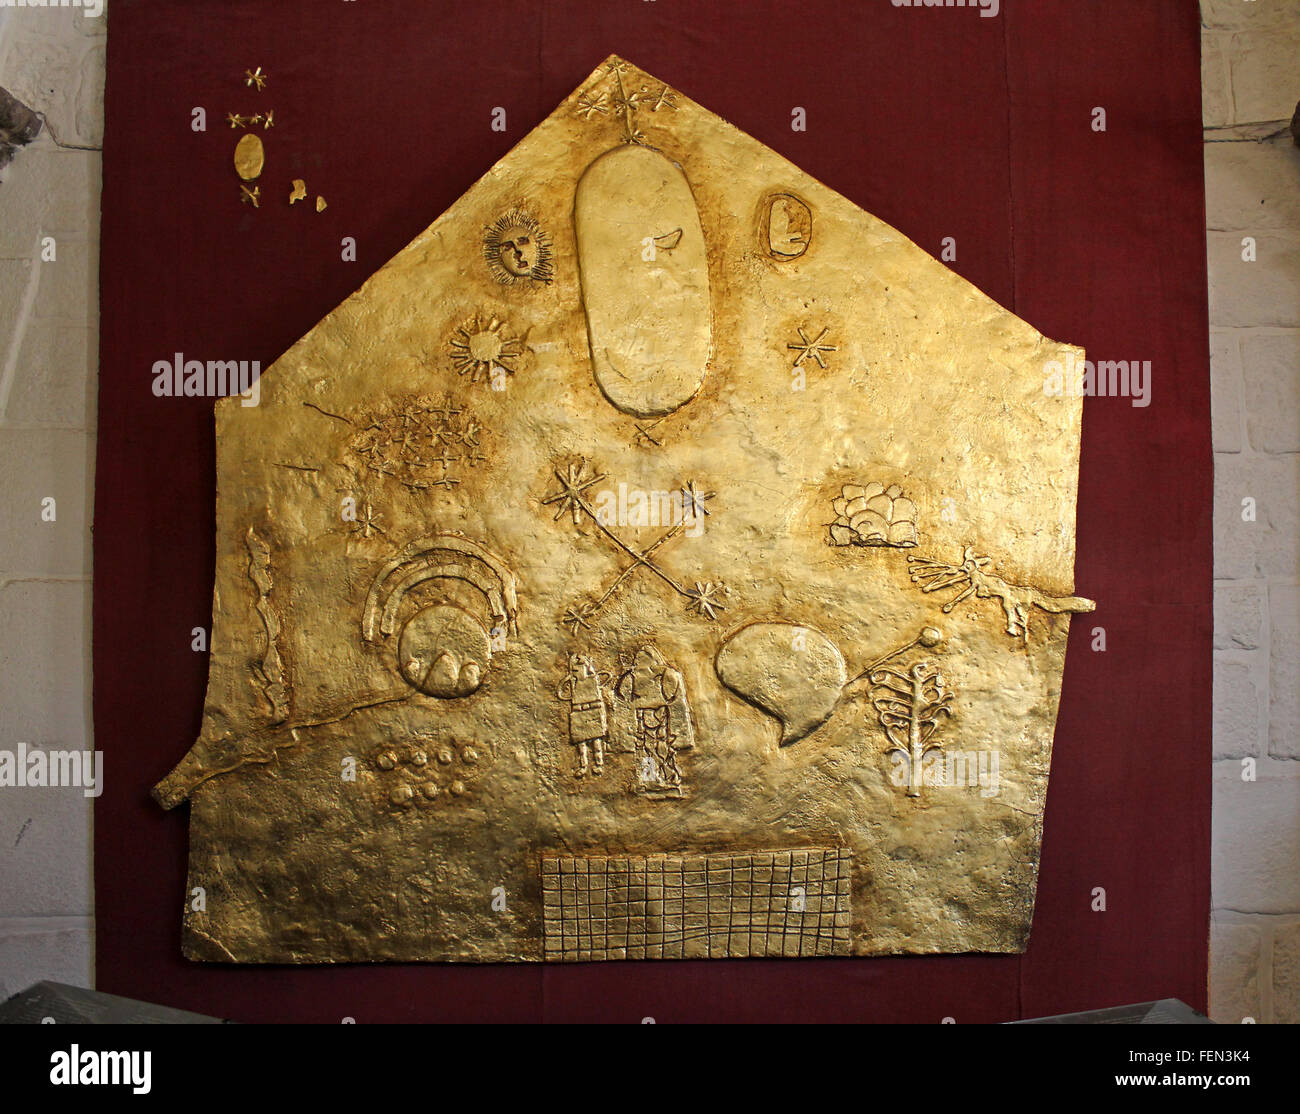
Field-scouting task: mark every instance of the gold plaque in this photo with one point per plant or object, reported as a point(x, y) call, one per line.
point(659, 557)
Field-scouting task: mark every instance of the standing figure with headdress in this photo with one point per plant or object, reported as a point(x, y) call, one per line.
point(584, 691)
point(656, 694)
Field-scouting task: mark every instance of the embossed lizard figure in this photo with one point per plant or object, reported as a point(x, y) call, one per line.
point(1017, 599)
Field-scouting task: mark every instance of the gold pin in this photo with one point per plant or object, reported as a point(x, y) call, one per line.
point(255, 79)
point(250, 194)
point(268, 121)
point(235, 120)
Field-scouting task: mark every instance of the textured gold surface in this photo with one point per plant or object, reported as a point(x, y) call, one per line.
point(250, 156)
point(656, 520)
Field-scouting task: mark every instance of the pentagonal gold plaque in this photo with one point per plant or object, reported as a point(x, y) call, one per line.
point(658, 557)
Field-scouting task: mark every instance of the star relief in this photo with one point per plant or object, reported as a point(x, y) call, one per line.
point(665, 98)
point(627, 102)
point(572, 485)
point(367, 522)
point(812, 349)
point(704, 598)
point(575, 618)
point(693, 502)
point(589, 106)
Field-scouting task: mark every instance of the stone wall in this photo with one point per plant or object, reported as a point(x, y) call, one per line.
point(52, 60)
point(1251, 82)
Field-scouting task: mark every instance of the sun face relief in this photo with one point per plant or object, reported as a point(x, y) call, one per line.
point(516, 247)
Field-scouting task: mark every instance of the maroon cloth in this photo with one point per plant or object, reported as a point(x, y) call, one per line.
point(939, 121)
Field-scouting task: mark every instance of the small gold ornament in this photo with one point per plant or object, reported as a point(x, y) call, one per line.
point(250, 156)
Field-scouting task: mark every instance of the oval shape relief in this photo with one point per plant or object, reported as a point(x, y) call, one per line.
point(645, 281)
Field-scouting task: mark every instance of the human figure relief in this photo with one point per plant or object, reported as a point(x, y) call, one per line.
point(584, 691)
point(656, 694)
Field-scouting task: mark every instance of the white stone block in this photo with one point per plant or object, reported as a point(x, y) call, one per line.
point(1264, 292)
point(54, 378)
point(1216, 96)
point(1237, 720)
point(1270, 364)
point(1284, 673)
point(1263, 65)
point(96, 26)
point(1286, 974)
point(54, 68)
point(57, 949)
point(90, 97)
point(45, 847)
point(36, 465)
point(1270, 545)
point(1234, 972)
point(1238, 616)
point(16, 275)
point(69, 285)
point(45, 665)
point(48, 191)
point(1250, 15)
point(1255, 842)
point(1252, 186)
point(1225, 390)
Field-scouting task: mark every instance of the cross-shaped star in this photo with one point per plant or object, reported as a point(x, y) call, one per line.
point(703, 599)
point(665, 98)
point(368, 523)
point(589, 106)
point(572, 485)
point(693, 502)
point(812, 348)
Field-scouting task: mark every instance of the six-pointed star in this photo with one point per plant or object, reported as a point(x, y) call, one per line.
point(812, 348)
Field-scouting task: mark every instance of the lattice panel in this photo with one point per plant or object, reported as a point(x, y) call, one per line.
point(754, 903)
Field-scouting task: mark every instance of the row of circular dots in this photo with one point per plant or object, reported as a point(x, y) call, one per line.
point(417, 759)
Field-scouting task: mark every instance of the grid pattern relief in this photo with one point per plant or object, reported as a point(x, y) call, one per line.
point(751, 903)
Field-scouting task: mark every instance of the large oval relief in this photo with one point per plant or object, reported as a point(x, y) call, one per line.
point(645, 281)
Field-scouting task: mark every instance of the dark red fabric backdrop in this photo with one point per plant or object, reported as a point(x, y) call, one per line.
point(939, 121)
